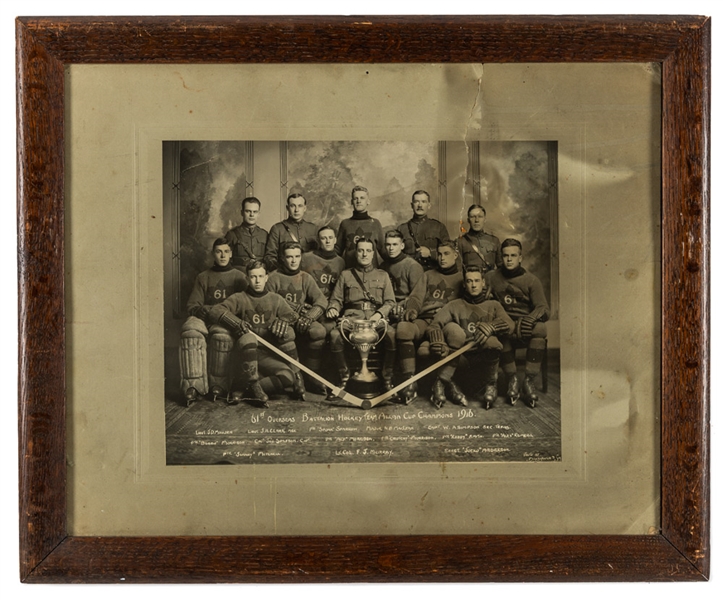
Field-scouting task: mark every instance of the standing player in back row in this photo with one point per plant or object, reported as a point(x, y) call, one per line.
point(522, 296)
point(422, 234)
point(359, 225)
point(248, 240)
point(478, 247)
point(292, 229)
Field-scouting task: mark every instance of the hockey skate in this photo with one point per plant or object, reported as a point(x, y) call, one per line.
point(439, 397)
point(513, 389)
point(528, 388)
point(455, 394)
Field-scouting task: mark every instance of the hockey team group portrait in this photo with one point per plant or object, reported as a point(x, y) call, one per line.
point(361, 301)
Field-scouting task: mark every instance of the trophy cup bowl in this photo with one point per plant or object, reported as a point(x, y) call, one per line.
point(363, 336)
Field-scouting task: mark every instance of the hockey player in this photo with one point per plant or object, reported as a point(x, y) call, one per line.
point(432, 292)
point(292, 229)
point(324, 264)
point(363, 293)
point(360, 224)
point(422, 234)
point(470, 318)
point(521, 294)
point(300, 291)
point(211, 287)
point(248, 240)
point(404, 273)
point(478, 247)
point(266, 314)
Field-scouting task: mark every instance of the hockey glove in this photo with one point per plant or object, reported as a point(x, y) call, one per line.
point(483, 330)
point(538, 314)
point(279, 327)
point(437, 344)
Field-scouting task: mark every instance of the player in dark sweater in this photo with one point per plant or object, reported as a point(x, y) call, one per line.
point(523, 297)
point(300, 291)
point(200, 365)
point(248, 240)
point(422, 234)
point(324, 264)
point(404, 273)
point(432, 292)
point(467, 319)
point(360, 224)
point(292, 229)
point(478, 247)
point(266, 314)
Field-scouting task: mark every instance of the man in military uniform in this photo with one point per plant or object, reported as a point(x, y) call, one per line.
point(248, 240)
point(522, 295)
point(422, 234)
point(433, 290)
point(466, 319)
point(211, 287)
point(404, 273)
point(266, 314)
point(300, 291)
point(478, 247)
point(360, 224)
point(292, 229)
point(363, 293)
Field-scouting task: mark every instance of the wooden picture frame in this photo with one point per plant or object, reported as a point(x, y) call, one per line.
point(679, 551)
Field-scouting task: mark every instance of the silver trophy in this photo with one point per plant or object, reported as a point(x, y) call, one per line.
point(364, 336)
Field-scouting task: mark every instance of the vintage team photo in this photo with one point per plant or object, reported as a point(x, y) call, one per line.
point(361, 301)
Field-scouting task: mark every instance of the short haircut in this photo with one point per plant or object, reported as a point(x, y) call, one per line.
point(324, 228)
point(393, 233)
point(358, 188)
point(253, 265)
point(289, 246)
point(511, 242)
point(474, 269)
point(292, 196)
point(220, 242)
point(365, 240)
point(426, 193)
point(250, 200)
point(448, 243)
point(473, 206)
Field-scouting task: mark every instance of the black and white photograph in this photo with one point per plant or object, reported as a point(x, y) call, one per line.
point(361, 301)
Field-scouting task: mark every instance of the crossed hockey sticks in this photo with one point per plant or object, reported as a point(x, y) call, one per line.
point(351, 398)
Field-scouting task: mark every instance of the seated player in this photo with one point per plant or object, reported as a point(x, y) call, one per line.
point(362, 293)
point(521, 294)
point(211, 287)
point(434, 289)
point(324, 264)
point(292, 229)
point(404, 273)
point(421, 233)
point(248, 240)
point(267, 315)
point(469, 318)
point(360, 224)
point(300, 291)
point(477, 246)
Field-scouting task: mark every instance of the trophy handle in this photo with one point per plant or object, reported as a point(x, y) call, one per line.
point(386, 327)
point(342, 322)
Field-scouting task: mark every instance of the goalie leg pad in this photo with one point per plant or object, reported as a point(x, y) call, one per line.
point(220, 346)
point(192, 357)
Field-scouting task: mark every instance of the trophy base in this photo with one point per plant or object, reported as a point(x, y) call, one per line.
point(366, 390)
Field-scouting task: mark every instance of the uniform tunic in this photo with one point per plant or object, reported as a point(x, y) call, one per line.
point(481, 249)
point(348, 294)
point(289, 230)
point(423, 231)
point(433, 291)
point(324, 267)
point(247, 243)
point(519, 292)
point(350, 230)
point(213, 286)
point(404, 273)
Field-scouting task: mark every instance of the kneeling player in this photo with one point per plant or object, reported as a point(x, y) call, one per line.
point(211, 287)
point(467, 319)
point(521, 293)
point(266, 314)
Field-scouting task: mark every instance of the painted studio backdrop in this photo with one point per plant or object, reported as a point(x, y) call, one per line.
point(204, 184)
